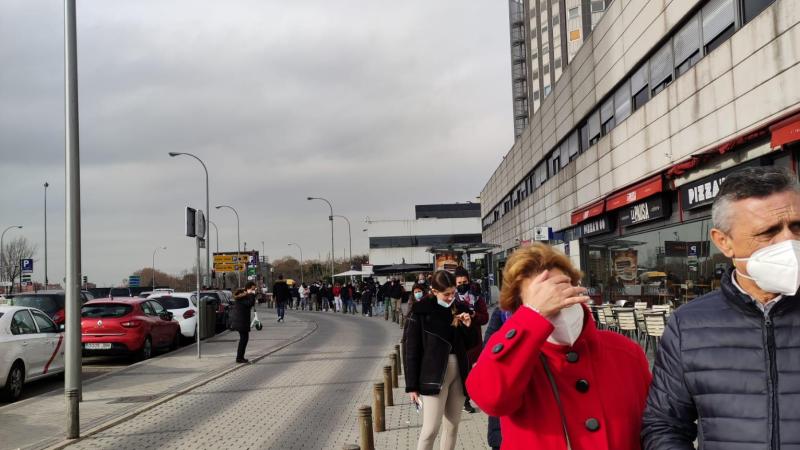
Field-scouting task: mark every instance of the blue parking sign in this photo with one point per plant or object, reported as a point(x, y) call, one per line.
point(26, 265)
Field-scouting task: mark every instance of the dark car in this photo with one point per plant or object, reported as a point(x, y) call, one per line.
point(127, 325)
point(120, 292)
point(222, 306)
point(51, 302)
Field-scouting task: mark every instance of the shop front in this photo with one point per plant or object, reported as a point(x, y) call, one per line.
point(650, 242)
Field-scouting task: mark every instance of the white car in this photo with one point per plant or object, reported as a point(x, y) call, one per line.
point(183, 306)
point(31, 347)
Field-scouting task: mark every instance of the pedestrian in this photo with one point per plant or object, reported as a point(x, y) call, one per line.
point(303, 292)
point(337, 297)
point(555, 380)
point(476, 306)
point(366, 300)
point(243, 302)
point(294, 290)
point(726, 372)
point(383, 298)
point(280, 290)
point(417, 294)
point(353, 294)
point(494, 436)
point(396, 292)
point(436, 339)
point(329, 298)
point(315, 298)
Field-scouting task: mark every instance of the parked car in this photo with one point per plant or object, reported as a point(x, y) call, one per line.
point(31, 347)
point(183, 306)
point(127, 325)
point(51, 302)
point(120, 292)
point(222, 306)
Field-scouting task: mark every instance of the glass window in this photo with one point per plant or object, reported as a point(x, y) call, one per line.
point(44, 323)
point(50, 304)
point(752, 8)
point(594, 127)
point(687, 44)
point(574, 13)
point(639, 82)
point(661, 68)
point(158, 309)
point(547, 90)
point(584, 137)
point(536, 95)
point(718, 16)
point(558, 63)
point(546, 68)
point(556, 21)
point(105, 310)
point(598, 6)
point(180, 302)
point(607, 116)
point(555, 161)
point(622, 102)
point(22, 323)
point(573, 145)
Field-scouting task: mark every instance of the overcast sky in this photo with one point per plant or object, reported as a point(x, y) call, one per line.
point(376, 105)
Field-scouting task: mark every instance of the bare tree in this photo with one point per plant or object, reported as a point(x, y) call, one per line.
point(13, 252)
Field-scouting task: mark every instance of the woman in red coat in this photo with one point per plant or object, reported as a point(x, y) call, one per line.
point(556, 381)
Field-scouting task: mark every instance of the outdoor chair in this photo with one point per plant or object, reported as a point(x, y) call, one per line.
point(654, 323)
point(626, 322)
point(640, 305)
point(611, 321)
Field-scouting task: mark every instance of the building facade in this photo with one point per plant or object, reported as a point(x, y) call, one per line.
point(406, 241)
point(545, 36)
point(624, 157)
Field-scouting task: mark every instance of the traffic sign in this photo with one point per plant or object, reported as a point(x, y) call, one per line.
point(26, 265)
point(134, 281)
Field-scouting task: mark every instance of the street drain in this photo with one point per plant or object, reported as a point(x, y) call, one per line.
point(134, 399)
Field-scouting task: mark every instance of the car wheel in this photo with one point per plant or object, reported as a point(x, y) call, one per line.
point(13, 388)
point(147, 349)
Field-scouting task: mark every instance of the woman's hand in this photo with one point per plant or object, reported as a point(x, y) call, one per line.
point(465, 319)
point(414, 397)
point(550, 294)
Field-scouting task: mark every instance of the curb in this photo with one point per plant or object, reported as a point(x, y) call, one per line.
point(149, 406)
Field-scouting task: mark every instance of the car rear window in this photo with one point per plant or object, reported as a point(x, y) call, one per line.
point(105, 310)
point(173, 302)
point(213, 295)
point(50, 304)
point(120, 292)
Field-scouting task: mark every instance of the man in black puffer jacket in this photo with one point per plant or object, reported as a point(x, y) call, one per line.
point(728, 369)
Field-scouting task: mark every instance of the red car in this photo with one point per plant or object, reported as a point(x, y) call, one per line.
point(128, 325)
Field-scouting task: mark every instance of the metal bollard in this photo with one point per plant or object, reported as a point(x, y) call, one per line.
point(393, 364)
point(399, 361)
point(379, 410)
point(365, 418)
point(387, 383)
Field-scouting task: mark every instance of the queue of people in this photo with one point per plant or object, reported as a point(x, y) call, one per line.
point(724, 376)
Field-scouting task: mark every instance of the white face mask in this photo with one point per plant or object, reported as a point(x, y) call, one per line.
point(568, 325)
point(775, 268)
point(443, 303)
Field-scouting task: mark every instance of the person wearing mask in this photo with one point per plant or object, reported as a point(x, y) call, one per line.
point(243, 302)
point(396, 292)
point(303, 292)
point(329, 297)
point(417, 294)
point(315, 299)
point(436, 338)
point(726, 372)
point(347, 298)
point(280, 290)
point(383, 298)
point(366, 300)
point(337, 297)
point(554, 380)
point(480, 316)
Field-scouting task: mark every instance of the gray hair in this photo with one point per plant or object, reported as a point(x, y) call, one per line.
point(751, 182)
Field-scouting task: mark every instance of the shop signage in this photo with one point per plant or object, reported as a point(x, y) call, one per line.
point(636, 193)
point(595, 226)
point(785, 132)
point(703, 191)
point(650, 209)
point(588, 212)
point(683, 248)
point(542, 233)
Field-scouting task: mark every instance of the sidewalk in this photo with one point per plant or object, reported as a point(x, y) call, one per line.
point(109, 399)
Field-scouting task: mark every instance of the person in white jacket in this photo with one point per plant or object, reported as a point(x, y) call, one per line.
point(303, 291)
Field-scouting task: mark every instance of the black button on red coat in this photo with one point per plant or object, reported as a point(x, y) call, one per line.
point(582, 385)
point(572, 357)
point(497, 348)
point(592, 424)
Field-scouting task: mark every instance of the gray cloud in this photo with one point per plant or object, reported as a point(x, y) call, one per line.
point(376, 105)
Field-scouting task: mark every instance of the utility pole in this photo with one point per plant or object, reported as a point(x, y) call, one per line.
point(46, 185)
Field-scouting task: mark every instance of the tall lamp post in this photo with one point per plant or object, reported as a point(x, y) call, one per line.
point(302, 280)
point(46, 185)
point(238, 242)
point(350, 235)
point(216, 230)
point(2, 236)
point(333, 255)
point(154, 265)
point(208, 213)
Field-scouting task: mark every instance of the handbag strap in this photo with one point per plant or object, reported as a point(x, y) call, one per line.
point(558, 398)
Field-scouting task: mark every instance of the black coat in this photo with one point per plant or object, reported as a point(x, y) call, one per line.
point(493, 436)
point(280, 290)
point(427, 352)
point(240, 312)
point(725, 367)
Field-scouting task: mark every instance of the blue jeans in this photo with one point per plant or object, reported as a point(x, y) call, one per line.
point(281, 310)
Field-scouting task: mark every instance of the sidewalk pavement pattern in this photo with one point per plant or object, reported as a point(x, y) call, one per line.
point(304, 394)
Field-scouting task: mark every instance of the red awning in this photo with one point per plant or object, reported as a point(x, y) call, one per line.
point(592, 210)
point(635, 193)
point(785, 131)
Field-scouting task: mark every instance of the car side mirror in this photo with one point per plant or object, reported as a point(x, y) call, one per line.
point(61, 327)
point(167, 316)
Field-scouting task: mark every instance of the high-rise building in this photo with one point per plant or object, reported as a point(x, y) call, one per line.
point(545, 36)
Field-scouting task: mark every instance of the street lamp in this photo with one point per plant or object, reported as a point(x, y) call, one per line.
point(217, 233)
point(331, 219)
point(46, 185)
point(3, 235)
point(302, 280)
point(154, 265)
point(238, 241)
point(350, 235)
point(208, 213)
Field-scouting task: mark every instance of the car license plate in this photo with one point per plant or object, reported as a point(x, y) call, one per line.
point(97, 346)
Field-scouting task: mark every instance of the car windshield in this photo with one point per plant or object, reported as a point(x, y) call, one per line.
point(105, 310)
point(50, 304)
point(119, 292)
point(213, 295)
point(173, 302)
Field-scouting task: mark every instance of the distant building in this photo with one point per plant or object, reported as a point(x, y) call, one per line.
point(406, 240)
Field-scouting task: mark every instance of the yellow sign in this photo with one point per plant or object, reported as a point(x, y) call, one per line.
point(229, 267)
point(574, 35)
